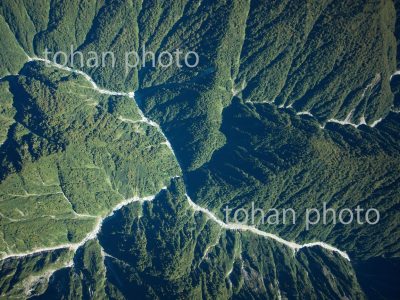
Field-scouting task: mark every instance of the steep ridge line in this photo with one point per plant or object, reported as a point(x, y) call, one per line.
point(91, 235)
point(230, 226)
point(131, 95)
point(346, 121)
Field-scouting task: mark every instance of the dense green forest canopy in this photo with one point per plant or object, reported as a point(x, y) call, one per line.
point(291, 104)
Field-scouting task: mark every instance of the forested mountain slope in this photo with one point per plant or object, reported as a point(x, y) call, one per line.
point(292, 104)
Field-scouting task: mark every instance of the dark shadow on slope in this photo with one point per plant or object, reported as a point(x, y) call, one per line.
point(379, 277)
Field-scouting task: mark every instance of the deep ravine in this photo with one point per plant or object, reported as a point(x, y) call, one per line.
point(228, 226)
